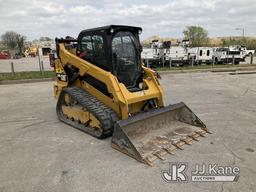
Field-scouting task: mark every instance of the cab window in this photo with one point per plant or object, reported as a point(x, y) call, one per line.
point(86, 48)
point(125, 57)
point(92, 50)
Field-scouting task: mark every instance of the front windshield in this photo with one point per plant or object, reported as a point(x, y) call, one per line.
point(125, 56)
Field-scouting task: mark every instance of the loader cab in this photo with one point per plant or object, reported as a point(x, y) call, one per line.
point(116, 49)
point(92, 48)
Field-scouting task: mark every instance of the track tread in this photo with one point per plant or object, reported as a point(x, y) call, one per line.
point(105, 115)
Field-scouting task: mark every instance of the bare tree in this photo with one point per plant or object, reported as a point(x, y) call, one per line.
point(12, 40)
point(20, 43)
point(9, 39)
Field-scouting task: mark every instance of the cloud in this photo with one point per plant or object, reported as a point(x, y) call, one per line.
point(35, 18)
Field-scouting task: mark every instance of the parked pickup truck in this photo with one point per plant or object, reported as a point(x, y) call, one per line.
point(224, 55)
point(246, 51)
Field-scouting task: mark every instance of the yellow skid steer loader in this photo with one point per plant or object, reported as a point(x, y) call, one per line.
point(104, 89)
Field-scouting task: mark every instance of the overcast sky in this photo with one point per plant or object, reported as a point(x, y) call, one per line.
point(56, 18)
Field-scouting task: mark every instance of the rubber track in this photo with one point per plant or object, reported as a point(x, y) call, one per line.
point(105, 115)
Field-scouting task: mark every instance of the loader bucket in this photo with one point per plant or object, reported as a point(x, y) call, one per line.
point(151, 135)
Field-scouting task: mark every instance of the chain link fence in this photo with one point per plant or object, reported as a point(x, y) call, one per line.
point(37, 63)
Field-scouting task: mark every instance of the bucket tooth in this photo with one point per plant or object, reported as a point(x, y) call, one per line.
point(187, 140)
point(201, 133)
point(178, 145)
point(170, 151)
point(193, 137)
point(159, 154)
point(172, 148)
point(162, 152)
point(150, 159)
point(196, 135)
point(207, 131)
point(150, 163)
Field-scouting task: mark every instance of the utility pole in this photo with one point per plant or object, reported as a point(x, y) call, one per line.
point(242, 29)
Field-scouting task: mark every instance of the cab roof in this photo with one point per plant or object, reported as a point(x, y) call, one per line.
point(115, 27)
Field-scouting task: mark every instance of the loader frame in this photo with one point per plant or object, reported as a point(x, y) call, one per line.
point(103, 101)
point(122, 101)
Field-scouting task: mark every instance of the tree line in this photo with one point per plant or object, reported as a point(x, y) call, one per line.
point(15, 41)
point(198, 37)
